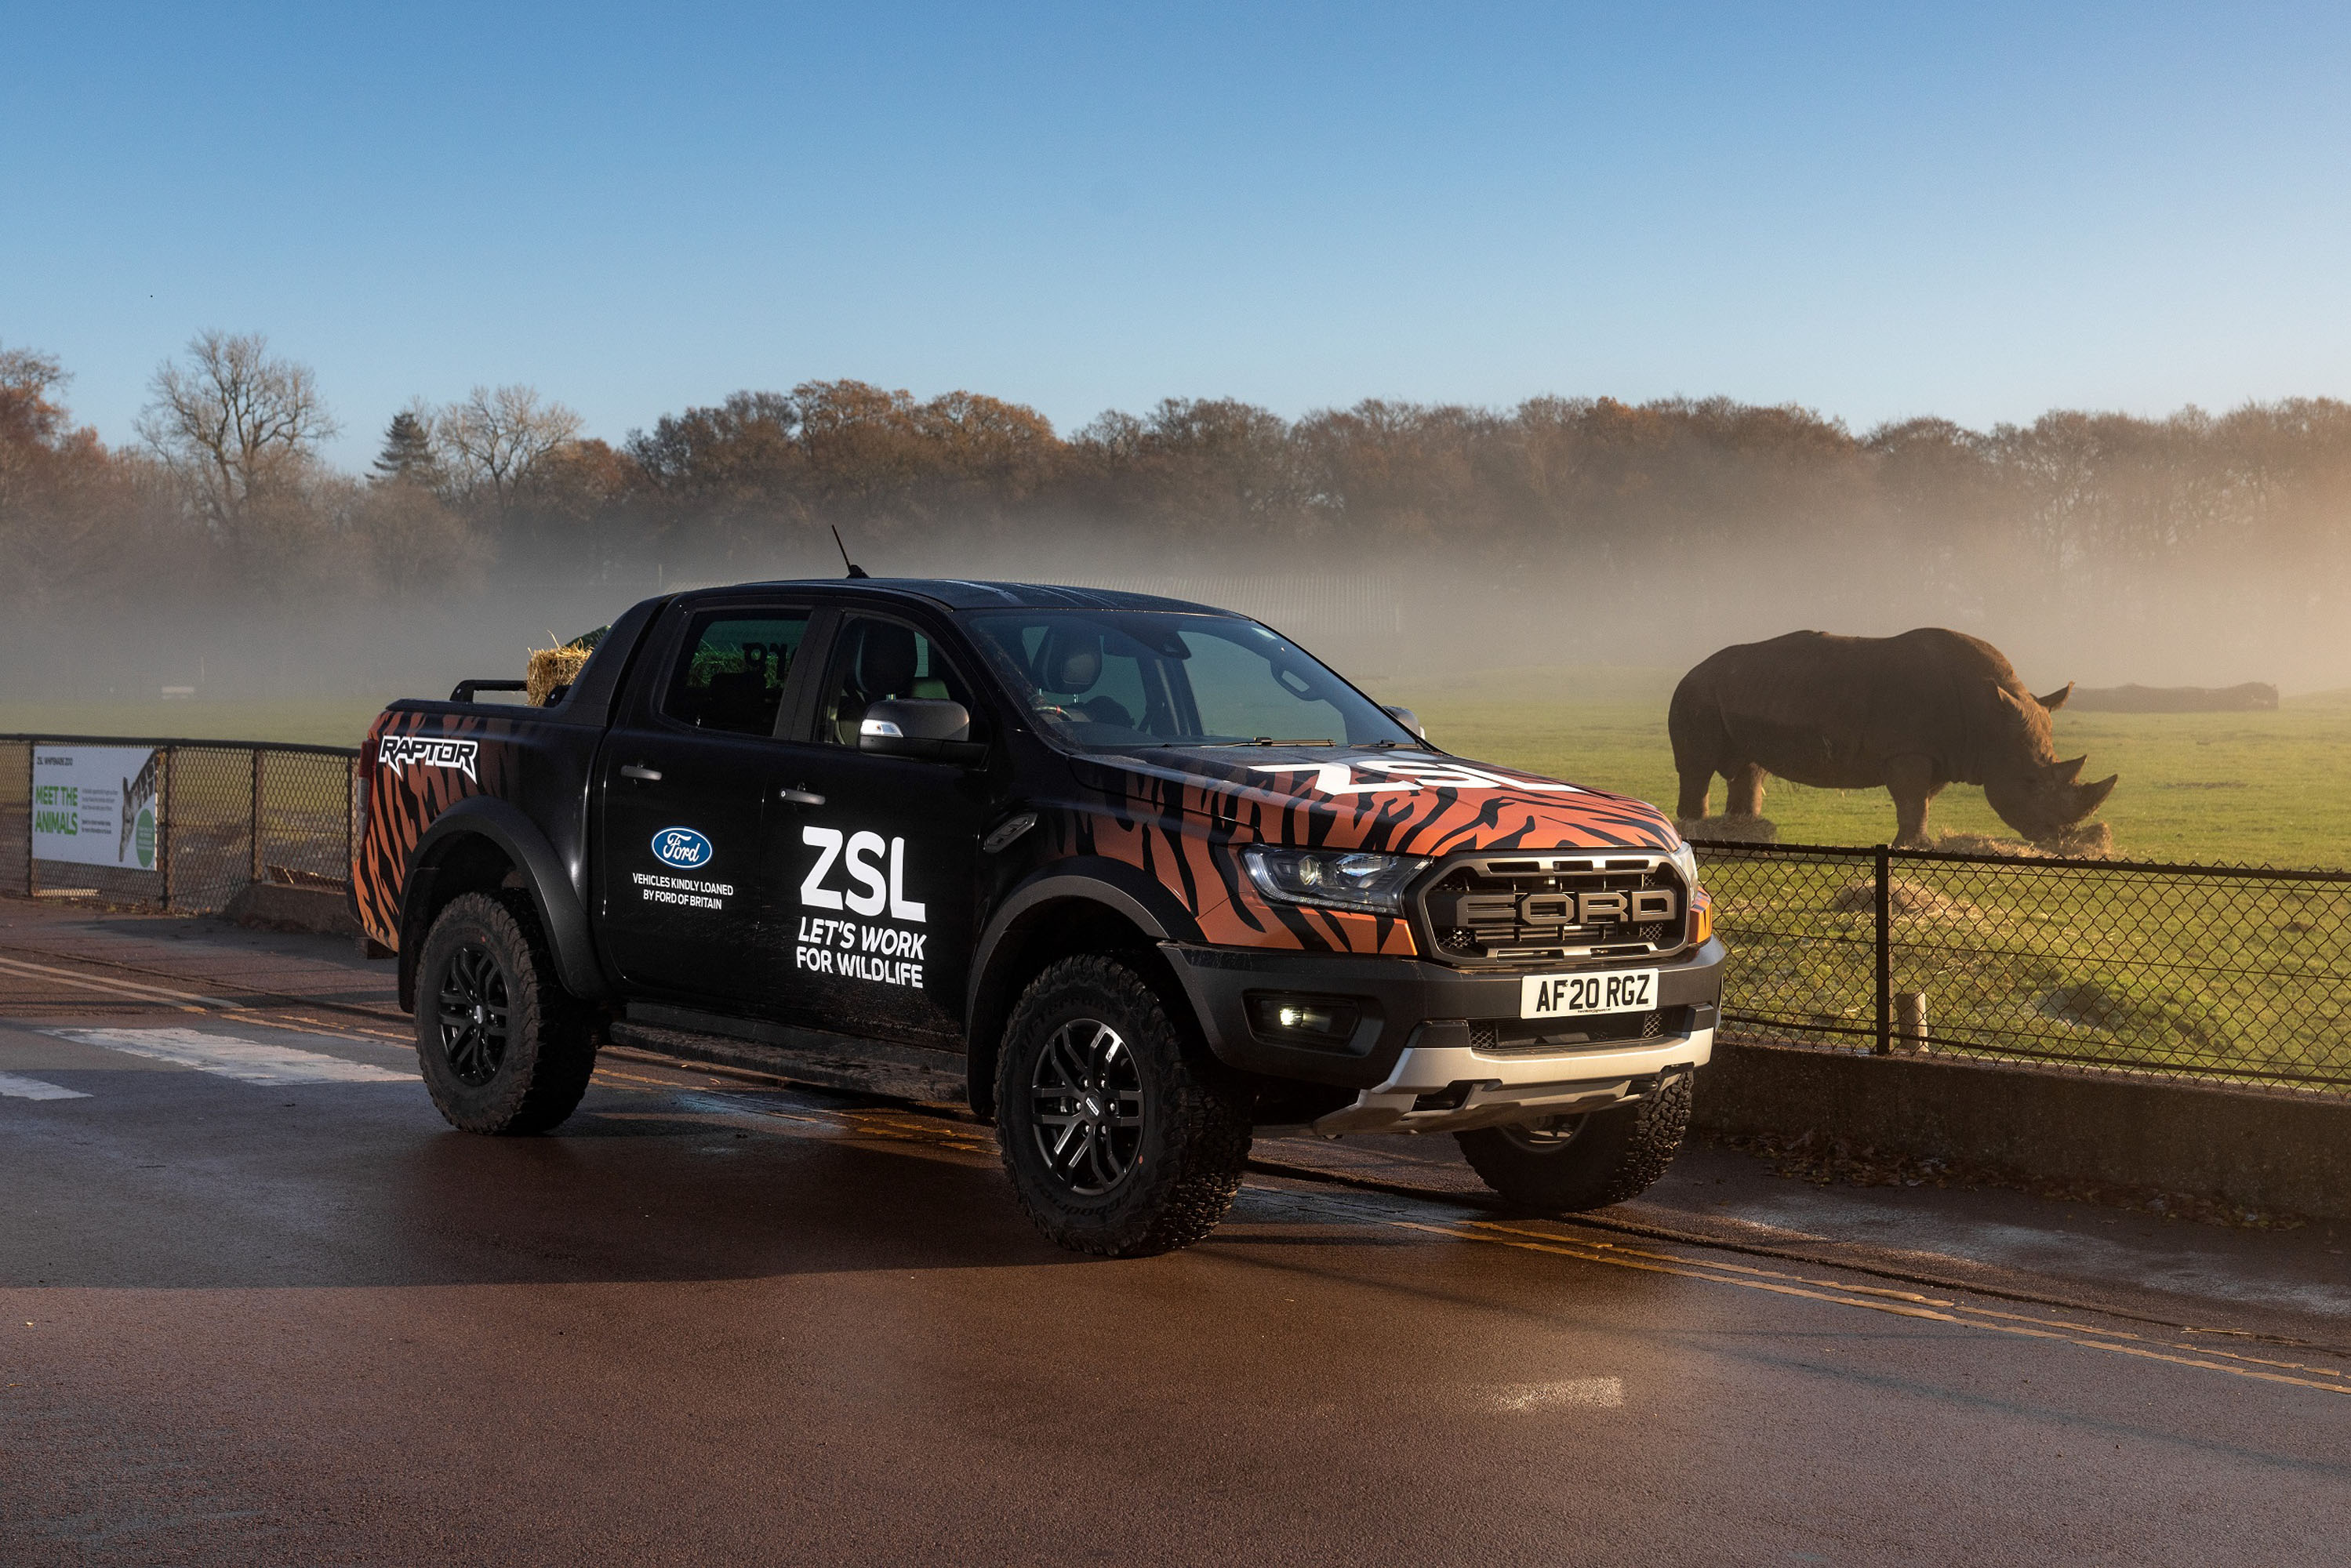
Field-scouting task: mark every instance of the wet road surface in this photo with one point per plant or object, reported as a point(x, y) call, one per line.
point(257, 1303)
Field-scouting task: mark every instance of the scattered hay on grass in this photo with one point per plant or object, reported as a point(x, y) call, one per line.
point(2089, 841)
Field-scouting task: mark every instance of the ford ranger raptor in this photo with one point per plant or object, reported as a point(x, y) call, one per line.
point(1130, 877)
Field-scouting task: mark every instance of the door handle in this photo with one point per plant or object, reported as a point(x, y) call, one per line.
point(801, 796)
point(632, 771)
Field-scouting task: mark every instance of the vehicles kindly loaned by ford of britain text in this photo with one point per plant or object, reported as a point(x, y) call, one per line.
point(1128, 875)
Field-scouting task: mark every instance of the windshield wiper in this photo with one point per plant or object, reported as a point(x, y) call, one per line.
point(1224, 745)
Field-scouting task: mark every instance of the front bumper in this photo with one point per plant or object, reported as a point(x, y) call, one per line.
point(1413, 1039)
point(1442, 1083)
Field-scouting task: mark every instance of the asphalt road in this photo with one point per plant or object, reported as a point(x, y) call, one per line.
point(258, 1305)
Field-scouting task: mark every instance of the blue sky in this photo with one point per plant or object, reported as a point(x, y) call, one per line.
point(1873, 211)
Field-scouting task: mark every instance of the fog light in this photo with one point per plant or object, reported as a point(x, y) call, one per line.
point(1319, 1019)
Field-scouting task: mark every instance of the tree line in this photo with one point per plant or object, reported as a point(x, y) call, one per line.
point(225, 491)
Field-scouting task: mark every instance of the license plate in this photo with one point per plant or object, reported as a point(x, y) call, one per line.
point(1604, 991)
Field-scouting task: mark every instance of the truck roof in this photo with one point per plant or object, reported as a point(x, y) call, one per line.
point(962, 593)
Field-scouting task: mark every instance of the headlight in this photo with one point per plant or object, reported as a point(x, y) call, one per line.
point(1333, 879)
point(1684, 860)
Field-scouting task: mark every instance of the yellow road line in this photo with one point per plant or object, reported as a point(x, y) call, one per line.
point(2058, 1323)
point(187, 1002)
point(1728, 1274)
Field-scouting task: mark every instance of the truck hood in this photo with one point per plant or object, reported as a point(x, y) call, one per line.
point(1397, 802)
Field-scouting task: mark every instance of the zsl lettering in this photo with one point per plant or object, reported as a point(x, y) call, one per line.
point(857, 855)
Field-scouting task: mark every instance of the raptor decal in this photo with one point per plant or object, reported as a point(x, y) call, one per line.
point(415, 767)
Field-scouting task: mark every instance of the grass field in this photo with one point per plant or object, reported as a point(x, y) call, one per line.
point(2270, 788)
point(2256, 788)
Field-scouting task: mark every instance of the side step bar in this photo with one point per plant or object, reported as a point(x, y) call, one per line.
point(804, 1055)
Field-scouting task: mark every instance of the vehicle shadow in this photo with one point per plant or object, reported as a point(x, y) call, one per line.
point(613, 1197)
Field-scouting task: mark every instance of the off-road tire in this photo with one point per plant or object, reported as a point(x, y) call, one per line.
point(1194, 1136)
point(537, 1078)
point(1613, 1155)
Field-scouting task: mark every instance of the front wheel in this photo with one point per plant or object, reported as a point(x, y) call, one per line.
point(505, 1049)
point(1122, 1139)
point(1565, 1163)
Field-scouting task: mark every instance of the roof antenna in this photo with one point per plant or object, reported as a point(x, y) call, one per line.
point(854, 570)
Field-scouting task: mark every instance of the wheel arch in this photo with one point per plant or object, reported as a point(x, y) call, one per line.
point(1106, 906)
point(482, 844)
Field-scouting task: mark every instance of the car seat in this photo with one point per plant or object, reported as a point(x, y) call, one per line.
point(883, 667)
point(1070, 661)
point(742, 700)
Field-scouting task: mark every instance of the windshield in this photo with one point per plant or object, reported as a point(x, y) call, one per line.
point(1115, 680)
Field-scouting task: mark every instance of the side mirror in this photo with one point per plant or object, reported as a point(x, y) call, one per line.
point(923, 728)
point(1406, 718)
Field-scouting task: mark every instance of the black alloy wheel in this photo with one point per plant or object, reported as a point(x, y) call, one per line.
point(1086, 1094)
point(503, 1047)
point(1121, 1132)
point(476, 1008)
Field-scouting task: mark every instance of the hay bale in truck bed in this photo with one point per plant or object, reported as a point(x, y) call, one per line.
point(550, 668)
point(2253, 696)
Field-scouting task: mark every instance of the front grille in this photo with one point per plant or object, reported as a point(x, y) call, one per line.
point(1523, 909)
point(1503, 1036)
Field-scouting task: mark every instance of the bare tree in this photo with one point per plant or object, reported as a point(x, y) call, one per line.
point(234, 423)
point(494, 440)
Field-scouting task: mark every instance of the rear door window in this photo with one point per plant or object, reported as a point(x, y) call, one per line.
point(732, 672)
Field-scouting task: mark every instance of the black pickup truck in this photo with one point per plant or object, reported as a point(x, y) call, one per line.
point(1128, 875)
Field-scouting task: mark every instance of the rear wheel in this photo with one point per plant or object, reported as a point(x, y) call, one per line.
point(1564, 1163)
point(503, 1047)
point(1122, 1138)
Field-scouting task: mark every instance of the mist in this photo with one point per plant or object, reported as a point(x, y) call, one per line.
point(1399, 540)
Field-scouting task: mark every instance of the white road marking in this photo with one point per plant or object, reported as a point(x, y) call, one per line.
point(16, 1088)
point(1591, 1392)
point(246, 1060)
point(17, 967)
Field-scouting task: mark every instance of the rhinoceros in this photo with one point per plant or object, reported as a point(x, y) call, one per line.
point(1910, 714)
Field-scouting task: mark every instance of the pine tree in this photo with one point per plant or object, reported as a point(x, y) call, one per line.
point(407, 453)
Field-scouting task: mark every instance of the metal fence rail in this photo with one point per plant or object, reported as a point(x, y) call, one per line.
point(2215, 973)
point(230, 813)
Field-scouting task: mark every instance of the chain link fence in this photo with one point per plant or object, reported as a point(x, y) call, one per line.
point(2214, 973)
point(226, 814)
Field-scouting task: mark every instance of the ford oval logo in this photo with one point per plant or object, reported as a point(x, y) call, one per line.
point(682, 847)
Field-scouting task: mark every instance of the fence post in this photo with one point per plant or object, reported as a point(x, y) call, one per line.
point(1884, 951)
point(163, 821)
point(253, 829)
point(32, 777)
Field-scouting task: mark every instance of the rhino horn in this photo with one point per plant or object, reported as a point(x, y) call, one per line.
point(2088, 798)
point(2067, 771)
point(2056, 699)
